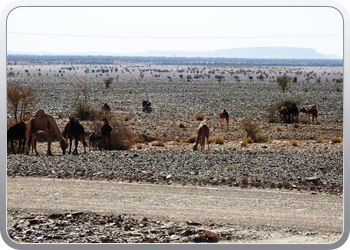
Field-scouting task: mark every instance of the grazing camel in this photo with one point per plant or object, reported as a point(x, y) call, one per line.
point(224, 116)
point(46, 123)
point(203, 132)
point(106, 131)
point(95, 141)
point(17, 132)
point(75, 130)
point(311, 111)
point(105, 108)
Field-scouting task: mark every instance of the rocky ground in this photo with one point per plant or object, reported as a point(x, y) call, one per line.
point(317, 167)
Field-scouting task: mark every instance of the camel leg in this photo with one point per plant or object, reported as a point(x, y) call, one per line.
point(49, 145)
point(70, 144)
point(75, 152)
point(227, 122)
point(85, 144)
point(32, 139)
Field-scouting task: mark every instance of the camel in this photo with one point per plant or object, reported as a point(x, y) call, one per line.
point(106, 131)
point(46, 123)
point(224, 116)
point(75, 130)
point(105, 108)
point(283, 112)
point(17, 132)
point(293, 113)
point(95, 141)
point(311, 111)
point(202, 133)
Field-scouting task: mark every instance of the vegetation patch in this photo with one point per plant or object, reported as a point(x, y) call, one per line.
point(336, 140)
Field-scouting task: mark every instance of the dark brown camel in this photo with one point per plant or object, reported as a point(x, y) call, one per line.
point(106, 131)
point(17, 132)
point(224, 116)
point(95, 141)
point(202, 133)
point(74, 130)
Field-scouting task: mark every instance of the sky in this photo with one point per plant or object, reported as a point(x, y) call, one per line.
point(124, 30)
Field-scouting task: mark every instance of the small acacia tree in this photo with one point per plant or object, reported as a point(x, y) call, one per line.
point(220, 78)
point(108, 81)
point(20, 99)
point(283, 82)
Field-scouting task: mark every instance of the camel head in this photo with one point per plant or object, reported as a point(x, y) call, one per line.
point(303, 110)
point(64, 146)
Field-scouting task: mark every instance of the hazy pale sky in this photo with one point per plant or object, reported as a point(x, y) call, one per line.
point(140, 29)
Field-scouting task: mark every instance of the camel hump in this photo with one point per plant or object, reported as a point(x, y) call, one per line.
point(40, 113)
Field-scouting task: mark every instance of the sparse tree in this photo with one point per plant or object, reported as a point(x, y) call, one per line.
point(20, 99)
point(108, 81)
point(283, 82)
point(220, 78)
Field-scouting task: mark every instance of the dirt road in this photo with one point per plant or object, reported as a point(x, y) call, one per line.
point(305, 212)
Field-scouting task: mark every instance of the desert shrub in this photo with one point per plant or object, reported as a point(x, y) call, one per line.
point(211, 140)
point(182, 125)
point(304, 121)
point(244, 143)
point(319, 140)
point(108, 81)
point(20, 99)
point(294, 142)
point(126, 118)
point(251, 127)
point(296, 125)
point(199, 117)
point(81, 111)
point(336, 140)
point(219, 140)
point(338, 89)
point(261, 138)
point(279, 128)
point(157, 143)
point(191, 139)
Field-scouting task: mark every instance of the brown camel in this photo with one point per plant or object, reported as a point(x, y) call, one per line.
point(105, 108)
point(46, 123)
point(311, 111)
point(224, 116)
point(74, 130)
point(106, 131)
point(203, 132)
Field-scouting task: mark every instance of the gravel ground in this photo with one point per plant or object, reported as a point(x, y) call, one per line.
point(309, 166)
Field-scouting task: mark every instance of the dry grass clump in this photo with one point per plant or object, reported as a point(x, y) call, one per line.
point(296, 125)
point(279, 128)
point(245, 141)
point(320, 140)
point(126, 118)
point(294, 142)
point(262, 139)
point(157, 143)
point(216, 140)
point(178, 143)
point(182, 125)
point(336, 140)
point(139, 146)
point(304, 121)
point(199, 117)
point(191, 139)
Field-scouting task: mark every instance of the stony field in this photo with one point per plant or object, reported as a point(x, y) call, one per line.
point(308, 166)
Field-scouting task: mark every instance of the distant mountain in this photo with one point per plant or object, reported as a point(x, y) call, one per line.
point(254, 52)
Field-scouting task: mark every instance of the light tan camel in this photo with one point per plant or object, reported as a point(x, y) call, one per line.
point(46, 123)
point(224, 116)
point(283, 112)
point(203, 132)
point(311, 111)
